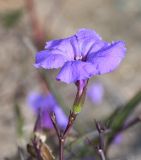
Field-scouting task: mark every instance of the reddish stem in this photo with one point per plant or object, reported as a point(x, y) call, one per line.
point(62, 136)
point(38, 31)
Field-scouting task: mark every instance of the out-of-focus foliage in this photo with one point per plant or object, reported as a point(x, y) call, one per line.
point(19, 120)
point(118, 119)
point(11, 18)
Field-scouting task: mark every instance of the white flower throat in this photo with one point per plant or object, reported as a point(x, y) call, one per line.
point(78, 57)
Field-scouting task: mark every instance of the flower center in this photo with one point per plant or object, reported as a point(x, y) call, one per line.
point(78, 58)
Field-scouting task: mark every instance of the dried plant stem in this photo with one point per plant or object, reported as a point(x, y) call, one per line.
point(102, 155)
point(131, 123)
point(77, 106)
point(71, 120)
point(37, 29)
point(63, 135)
point(61, 147)
point(101, 148)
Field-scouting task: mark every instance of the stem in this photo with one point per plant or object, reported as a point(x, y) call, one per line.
point(131, 123)
point(71, 120)
point(77, 106)
point(102, 155)
point(53, 119)
point(80, 96)
point(62, 136)
point(37, 30)
point(101, 148)
point(61, 147)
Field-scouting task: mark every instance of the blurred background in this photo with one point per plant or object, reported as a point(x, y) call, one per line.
point(25, 23)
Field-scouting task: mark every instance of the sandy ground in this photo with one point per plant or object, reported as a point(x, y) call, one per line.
point(113, 19)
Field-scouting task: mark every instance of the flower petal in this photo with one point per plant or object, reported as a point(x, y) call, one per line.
point(108, 58)
point(76, 70)
point(96, 93)
point(78, 45)
point(67, 47)
point(35, 101)
point(45, 119)
point(87, 39)
point(60, 116)
point(47, 60)
point(87, 33)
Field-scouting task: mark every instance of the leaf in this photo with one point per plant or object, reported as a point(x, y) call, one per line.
point(11, 18)
point(46, 152)
point(111, 117)
point(38, 149)
point(124, 113)
point(121, 116)
point(19, 120)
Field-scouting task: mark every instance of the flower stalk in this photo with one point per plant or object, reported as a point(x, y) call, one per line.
point(63, 135)
point(101, 147)
point(80, 96)
point(77, 106)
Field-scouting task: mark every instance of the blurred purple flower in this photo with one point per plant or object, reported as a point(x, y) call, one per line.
point(43, 104)
point(96, 93)
point(118, 139)
point(81, 56)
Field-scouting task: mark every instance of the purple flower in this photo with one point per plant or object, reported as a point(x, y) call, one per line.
point(96, 93)
point(43, 104)
point(118, 139)
point(81, 56)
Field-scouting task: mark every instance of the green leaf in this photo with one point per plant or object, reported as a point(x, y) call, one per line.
point(124, 113)
point(19, 120)
point(11, 18)
point(121, 116)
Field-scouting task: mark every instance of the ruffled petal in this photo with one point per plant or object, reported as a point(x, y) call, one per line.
point(95, 47)
point(67, 47)
point(49, 60)
point(76, 70)
point(87, 33)
point(108, 58)
point(88, 39)
point(78, 45)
